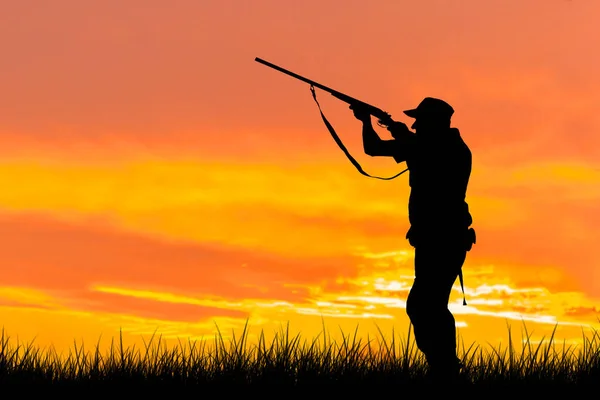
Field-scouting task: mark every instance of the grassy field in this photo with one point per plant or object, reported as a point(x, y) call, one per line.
point(391, 363)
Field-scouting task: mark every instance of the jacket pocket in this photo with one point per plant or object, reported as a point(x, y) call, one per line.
point(471, 239)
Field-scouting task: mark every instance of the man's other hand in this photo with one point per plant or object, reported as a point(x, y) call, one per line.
point(360, 112)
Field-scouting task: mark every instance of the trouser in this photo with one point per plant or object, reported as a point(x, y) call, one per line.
point(436, 269)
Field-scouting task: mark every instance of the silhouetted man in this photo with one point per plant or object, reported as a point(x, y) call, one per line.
point(439, 164)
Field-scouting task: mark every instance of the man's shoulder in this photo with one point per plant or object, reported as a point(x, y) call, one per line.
point(455, 133)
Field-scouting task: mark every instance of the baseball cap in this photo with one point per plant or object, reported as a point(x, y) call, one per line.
point(431, 106)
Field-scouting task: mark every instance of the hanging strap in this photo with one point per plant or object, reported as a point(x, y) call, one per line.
point(360, 169)
point(341, 145)
point(462, 286)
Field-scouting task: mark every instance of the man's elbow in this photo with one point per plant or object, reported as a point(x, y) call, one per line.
point(372, 149)
point(369, 151)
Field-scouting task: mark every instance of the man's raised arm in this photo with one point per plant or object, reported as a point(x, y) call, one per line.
point(375, 146)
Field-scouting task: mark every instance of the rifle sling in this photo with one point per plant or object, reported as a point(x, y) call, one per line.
point(341, 145)
point(362, 171)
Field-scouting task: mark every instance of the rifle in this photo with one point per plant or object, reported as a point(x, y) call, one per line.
point(385, 120)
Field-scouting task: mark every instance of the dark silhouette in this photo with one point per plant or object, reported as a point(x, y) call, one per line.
point(439, 164)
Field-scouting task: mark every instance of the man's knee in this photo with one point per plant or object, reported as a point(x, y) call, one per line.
point(418, 308)
point(412, 308)
point(423, 308)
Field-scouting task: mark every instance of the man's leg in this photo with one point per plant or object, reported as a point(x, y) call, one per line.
point(436, 269)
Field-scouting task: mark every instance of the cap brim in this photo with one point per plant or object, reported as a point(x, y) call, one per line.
point(411, 113)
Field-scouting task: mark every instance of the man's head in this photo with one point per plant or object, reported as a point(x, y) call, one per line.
point(431, 115)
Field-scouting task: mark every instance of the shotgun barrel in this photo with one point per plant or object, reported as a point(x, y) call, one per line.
point(383, 117)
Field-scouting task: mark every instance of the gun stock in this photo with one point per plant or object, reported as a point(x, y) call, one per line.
point(383, 117)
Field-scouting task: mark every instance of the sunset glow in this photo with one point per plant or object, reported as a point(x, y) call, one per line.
point(156, 179)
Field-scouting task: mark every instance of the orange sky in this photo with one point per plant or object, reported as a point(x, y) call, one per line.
point(156, 177)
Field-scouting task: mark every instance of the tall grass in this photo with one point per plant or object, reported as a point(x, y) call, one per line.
point(288, 359)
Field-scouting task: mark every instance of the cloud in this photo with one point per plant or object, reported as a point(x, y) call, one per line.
point(48, 255)
point(23, 305)
point(99, 302)
point(489, 292)
point(583, 311)
point(376, 294)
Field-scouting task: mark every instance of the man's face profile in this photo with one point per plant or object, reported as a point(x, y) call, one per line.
point(430, 124)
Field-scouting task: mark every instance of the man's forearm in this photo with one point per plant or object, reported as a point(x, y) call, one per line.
point(371, 140)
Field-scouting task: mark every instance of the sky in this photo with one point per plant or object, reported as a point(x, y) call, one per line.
point(157, 179)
